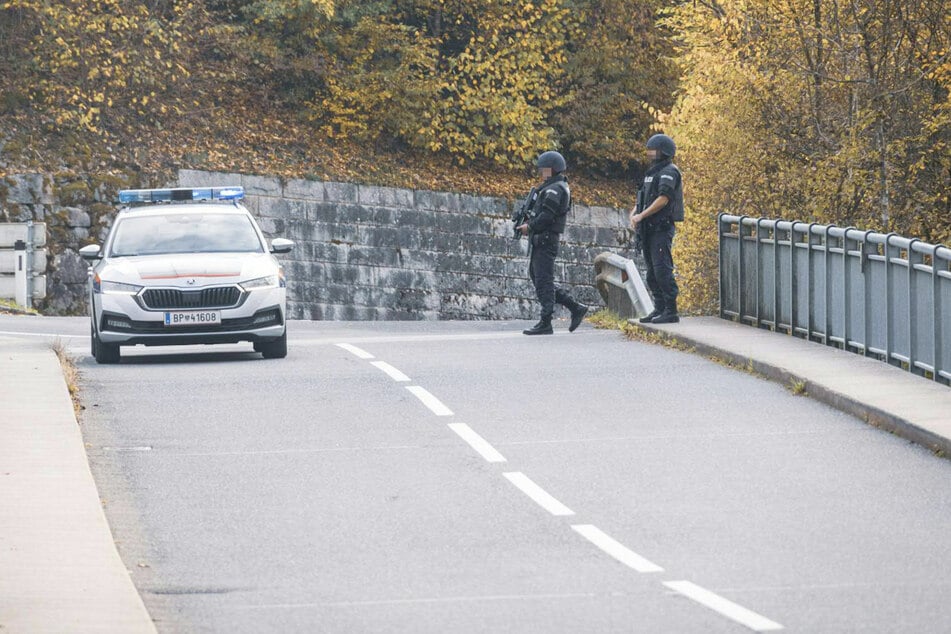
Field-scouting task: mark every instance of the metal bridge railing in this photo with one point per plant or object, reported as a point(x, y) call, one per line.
point(881, 295)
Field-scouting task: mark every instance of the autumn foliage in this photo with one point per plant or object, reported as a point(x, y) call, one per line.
point(804, 109)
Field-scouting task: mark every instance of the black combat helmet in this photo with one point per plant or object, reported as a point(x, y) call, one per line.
point(663, 144)
point(551, 159)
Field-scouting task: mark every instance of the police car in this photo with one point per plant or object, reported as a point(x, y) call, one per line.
point(186, 266)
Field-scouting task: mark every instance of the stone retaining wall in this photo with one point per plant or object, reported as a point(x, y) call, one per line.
point(366, 252)
point(363, 252)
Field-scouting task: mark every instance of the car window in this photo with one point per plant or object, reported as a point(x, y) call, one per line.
point(185, 233)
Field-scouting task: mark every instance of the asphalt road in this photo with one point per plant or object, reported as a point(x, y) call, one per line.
point(460, 477)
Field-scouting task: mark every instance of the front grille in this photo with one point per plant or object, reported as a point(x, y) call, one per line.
point(174, 298)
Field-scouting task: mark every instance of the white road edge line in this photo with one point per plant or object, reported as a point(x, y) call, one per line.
point(430, 401)
point(477, 442)
point(41, 334)
point(614, 548)
point(395, 374)
point(363, 354)
point(538, 494)
point(727, 608)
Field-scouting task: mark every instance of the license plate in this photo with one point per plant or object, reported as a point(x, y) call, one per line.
point(193, 318)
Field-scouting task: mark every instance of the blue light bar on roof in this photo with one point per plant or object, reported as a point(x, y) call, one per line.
point(180, 194)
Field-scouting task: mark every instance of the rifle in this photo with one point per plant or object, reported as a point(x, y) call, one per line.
point(522, 215)
point(639, 232)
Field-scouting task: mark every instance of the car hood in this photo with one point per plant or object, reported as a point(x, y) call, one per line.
point(190, 270)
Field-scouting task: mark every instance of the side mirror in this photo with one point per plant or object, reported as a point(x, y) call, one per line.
point(91, 252)
point(281, 245)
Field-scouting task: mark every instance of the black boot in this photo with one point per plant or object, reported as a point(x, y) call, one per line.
point(577, 315)
point(669, 316)
point(543, 327)
point(659, 306)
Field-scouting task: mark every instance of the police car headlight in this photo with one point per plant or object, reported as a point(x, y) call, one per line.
point(270, 281)
point(118, 288)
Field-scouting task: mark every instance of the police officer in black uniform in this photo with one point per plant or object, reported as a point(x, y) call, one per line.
point(661, 204)
point(549, 206)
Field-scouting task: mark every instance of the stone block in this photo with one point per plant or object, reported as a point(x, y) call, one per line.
point(363, 255)
point(200, 178)
point(438, 201)
point(267, 207)
point(76, 217)
point(419, 218)
point(417, 259)
point(307, 189)
point(272, 227)
point(485, 206)
point(69, 268)
point(502, 228)
point(384, 216)
point(27, 189)
point(261, 185)
point(580, 215)
point(580, 235)
point(340, 192)
point(609, 217)
point(326, 212)
point(385, 196)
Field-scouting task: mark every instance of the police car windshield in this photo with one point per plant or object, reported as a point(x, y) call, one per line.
point(200, 232)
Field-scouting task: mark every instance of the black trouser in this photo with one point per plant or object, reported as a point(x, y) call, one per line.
point(658, 242)
point(541, 270)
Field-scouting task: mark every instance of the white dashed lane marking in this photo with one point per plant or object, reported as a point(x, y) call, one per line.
point(477, 442)
point(394, 374)
point(593, 534)
point(361, 353)
point(430, 401)
point(614, 548)
point(538, 494)
point(727, 608)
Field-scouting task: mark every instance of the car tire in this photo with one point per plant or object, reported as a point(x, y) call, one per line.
point(104, 352)
point(276, 349)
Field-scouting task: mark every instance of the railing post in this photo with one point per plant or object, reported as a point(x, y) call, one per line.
point(810, 285)
point(937, 324)
point(828, 286)
point(793, 304)
point(775, 229)
point(888, 297)
point(913, 259)
point(846, 290)
point(721, 260)
point(867, 279)
point(740, 268)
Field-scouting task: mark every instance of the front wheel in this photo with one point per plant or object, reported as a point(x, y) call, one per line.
point(276, 349)
point(103, 352)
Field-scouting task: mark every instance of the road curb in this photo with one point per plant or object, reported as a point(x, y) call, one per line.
point(895, 422)
point(61, 571)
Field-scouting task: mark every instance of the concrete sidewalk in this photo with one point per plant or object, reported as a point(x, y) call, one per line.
point(59, 568)
point(882, 395)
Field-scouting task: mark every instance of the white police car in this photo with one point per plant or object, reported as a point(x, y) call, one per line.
point(186, 266)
